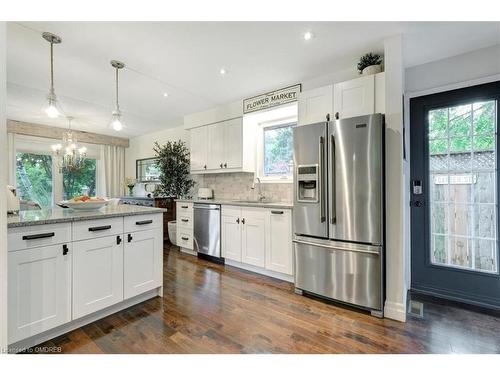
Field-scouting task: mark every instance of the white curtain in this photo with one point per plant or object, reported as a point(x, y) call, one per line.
point(111, 171)
point(11, 147)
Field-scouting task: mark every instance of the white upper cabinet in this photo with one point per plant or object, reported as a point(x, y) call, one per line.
point(315, 105)
point(278, 241)
point(225, 146)
point(360, 96)
point(39, 290)
point(198, 146)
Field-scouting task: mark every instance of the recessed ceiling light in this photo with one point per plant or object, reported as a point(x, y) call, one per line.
point(222, 71)
point(308, 35)
point(165, 94)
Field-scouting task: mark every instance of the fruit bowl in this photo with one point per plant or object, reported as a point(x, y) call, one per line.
point(85, 203)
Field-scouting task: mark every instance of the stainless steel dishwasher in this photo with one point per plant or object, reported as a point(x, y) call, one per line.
point(207, 231)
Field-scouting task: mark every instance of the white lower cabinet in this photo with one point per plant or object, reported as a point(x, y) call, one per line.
point(142, 262)
point(39, 284)
point(97, 274)
point(258, 237)
point(253, 237)
point(278, 241)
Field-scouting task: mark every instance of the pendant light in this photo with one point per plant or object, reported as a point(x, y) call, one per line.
point(52, 109)
point(116, 116)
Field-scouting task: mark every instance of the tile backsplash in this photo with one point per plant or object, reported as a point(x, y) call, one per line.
point(238, 186)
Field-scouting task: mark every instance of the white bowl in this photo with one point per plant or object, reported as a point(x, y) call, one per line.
point(85, 206)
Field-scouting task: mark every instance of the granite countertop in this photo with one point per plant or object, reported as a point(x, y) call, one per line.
point(238, 202)
point(65, 215)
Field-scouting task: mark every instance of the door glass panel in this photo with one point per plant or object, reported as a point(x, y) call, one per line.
point(34, 178)
point(463, 189)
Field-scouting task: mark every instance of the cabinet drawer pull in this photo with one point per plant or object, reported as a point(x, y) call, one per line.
point(185, 220)
point(97, 229)
point(143, 222)
point(184, 206)
point(185, 238)
point(37, 236)
point(277, 212)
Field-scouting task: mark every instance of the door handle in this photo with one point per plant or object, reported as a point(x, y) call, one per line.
point(97, 229)
point(417, 203)
point(221, 165)
point(185, 220)
point(184, 206)
point(185, 238)
point(205, 166)
point(129, 238)
point(37, 236)
point(238, 220)
point(65, 249)
point(333, 200)
point(321, 155)
point(243, 221)
point(277, 212)
point(118, 240)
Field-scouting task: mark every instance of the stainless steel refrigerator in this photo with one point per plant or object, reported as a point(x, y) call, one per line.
point(339, 210)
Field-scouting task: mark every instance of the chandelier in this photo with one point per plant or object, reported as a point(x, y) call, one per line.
point(69, 156)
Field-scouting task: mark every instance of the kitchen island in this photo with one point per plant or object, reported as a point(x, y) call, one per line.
point(69, 268)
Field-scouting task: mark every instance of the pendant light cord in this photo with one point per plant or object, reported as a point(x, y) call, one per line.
point(117, 105)
point(51, 68)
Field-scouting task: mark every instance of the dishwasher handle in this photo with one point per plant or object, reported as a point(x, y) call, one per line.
point(206, 208)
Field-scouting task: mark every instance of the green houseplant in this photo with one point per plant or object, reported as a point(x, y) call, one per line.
point(173, 160)
point(370, 63)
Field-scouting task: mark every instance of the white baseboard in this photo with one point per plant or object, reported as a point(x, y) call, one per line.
point(260, 270)
point(395, 311)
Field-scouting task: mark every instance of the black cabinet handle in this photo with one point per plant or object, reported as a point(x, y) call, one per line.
point(65, 249)
point(221, 165)
point(225, 165)
point(184, 206)
point(205, 166)
point(185, 220)
point(118, 240)
point(243, 221)
point(37, 236)
point(97, 229)
point(337, 115)
point(238, 220)
point(143, 222)
point(129, 238)
point(185, 238)
point(277, 212)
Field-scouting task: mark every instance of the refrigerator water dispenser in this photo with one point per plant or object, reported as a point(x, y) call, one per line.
point(307, 183)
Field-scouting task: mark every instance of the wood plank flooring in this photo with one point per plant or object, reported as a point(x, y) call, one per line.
point(209, 308)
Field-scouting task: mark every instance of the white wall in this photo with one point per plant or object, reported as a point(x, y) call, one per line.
point(469, 66)
point(142, 147)
point(3, 203)
point(396, 288)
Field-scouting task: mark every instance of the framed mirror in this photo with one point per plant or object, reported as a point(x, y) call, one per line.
point(147, 170)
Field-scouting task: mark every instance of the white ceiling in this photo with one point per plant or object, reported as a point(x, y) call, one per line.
point(186, 58)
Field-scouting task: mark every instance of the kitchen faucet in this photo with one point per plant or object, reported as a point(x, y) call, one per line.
point(259, 190)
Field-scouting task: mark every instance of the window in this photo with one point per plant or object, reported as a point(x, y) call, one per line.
point(278, 151)
point(34, 177)
point(81, 181)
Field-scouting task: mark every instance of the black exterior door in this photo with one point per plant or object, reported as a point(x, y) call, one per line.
point(454, 194)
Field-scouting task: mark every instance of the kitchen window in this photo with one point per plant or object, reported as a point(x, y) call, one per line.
point(81, 181)
point(34, 177)
point(278, 151)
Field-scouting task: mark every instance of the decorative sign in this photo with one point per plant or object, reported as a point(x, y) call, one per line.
point(455, 179)
point(272, 99)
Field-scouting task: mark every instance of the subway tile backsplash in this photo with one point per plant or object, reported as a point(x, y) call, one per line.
point(238, 186)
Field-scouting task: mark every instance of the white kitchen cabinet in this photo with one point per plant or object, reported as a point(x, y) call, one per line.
point(228, 145)
point(97, 274)
point(360, 96)
point(39, 290)
point(279, 241)
point(142, 261)
point(231, 233)
point(216, 144)
point(185, 213)
point(198, 148)
point(314, 105)
point(233, 144)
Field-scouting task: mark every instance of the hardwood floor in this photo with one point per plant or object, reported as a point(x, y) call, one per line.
point(209, 308)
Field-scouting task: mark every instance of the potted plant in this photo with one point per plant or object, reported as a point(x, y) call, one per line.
point(173, 161)
point(370, 63)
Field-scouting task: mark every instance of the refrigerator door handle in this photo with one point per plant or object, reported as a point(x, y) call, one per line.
point(333, 198)
point(322, 216)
